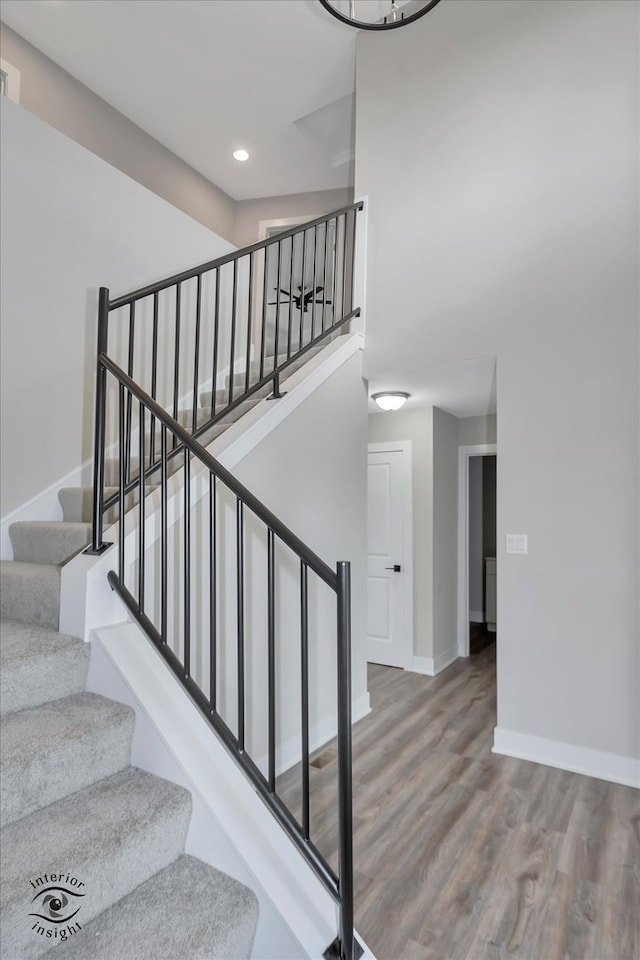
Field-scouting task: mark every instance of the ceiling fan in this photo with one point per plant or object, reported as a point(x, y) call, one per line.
point(301, 299)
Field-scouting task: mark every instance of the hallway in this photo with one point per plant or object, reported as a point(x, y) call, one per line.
point(460, 853)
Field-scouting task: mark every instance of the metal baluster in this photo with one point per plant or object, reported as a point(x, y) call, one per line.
point(304, 687)
point(277, 330)
point(335, 274)
point(213, 612)
point(196, 362)
point(271, 657)
point(240, 613)
point(163, 533)
point(249, 322)
point(99, 441)
point(141, 508)
point(216, 318)
point(344, 263)
point(313, 283)
point(265, 294)
point(345, 816)
point(353, 262)
point(234, 300)
point(187, 563)
point(132, 314)
point(291, 298)
point(324, 278)
point(122, 479)
point(304, 252)
point(176, 359)
point(154, 377)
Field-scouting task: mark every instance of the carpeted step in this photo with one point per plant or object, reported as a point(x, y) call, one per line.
point(111, 837)
point(48, 541)
point(52, 750)
point(38, 664)
point(30, 592)
point(188, 911)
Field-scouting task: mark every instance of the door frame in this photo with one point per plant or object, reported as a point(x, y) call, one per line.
point(403, 447)
point(464, 453)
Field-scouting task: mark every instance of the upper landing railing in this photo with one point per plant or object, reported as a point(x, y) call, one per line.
point(209, 587)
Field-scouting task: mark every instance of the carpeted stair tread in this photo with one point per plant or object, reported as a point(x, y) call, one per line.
point(188, 911)
point(30, 592)
point(55, 749)
point(48, 541)
point(112, 836)
point(38, 664)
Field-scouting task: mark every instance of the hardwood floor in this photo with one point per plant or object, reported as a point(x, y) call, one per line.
point(460, 853)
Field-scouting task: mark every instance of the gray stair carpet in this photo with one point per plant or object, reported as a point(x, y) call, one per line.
point(73, 807)
point(212, 918)
point(92, 848)
point(38, 664)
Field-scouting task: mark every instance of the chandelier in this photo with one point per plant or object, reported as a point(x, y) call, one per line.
point(378, 14)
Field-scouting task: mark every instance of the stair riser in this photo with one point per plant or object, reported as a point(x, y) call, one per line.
point(55, 759)
point(48, 543)
point(77, 504)
point(32, 595)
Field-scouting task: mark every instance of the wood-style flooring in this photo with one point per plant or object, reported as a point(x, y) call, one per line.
point(460, 853)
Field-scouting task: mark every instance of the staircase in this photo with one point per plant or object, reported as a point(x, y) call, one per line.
point(65, 753)
point(92, 848)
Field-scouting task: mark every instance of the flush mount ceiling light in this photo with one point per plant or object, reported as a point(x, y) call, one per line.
point(390, 400)
point(378, 14)
point(241, 155)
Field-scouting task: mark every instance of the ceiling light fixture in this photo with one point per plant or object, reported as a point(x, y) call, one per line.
point(241, 155)
point(378, 14)
point(390, 400)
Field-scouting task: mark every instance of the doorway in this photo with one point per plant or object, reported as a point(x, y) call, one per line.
point(476, 543)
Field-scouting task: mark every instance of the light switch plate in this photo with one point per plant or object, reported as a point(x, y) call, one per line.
point(517, 543)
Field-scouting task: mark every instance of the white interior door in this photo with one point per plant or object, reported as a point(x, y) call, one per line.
point(389, 560)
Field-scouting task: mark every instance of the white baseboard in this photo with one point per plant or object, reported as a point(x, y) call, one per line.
point(476, 616)
point(445, 659)
point(422, 665)
point(432, 667)
point(567, 756)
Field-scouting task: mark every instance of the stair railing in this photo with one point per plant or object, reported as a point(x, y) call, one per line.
point(180, 589)
point(213, 324)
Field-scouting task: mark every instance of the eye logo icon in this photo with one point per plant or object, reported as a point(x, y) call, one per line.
point(57, 904)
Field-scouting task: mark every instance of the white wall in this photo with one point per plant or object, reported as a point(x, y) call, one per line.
point(56, 97)
point(70, 224)
point(513, 230)
point(445, 538)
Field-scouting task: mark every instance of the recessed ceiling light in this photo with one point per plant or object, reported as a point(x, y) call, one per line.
point(240, 155)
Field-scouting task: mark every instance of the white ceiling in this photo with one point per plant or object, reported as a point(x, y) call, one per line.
point(207, 76)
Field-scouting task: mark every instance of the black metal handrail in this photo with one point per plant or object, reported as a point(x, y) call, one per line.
point(340, 885)
point(145, 392)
